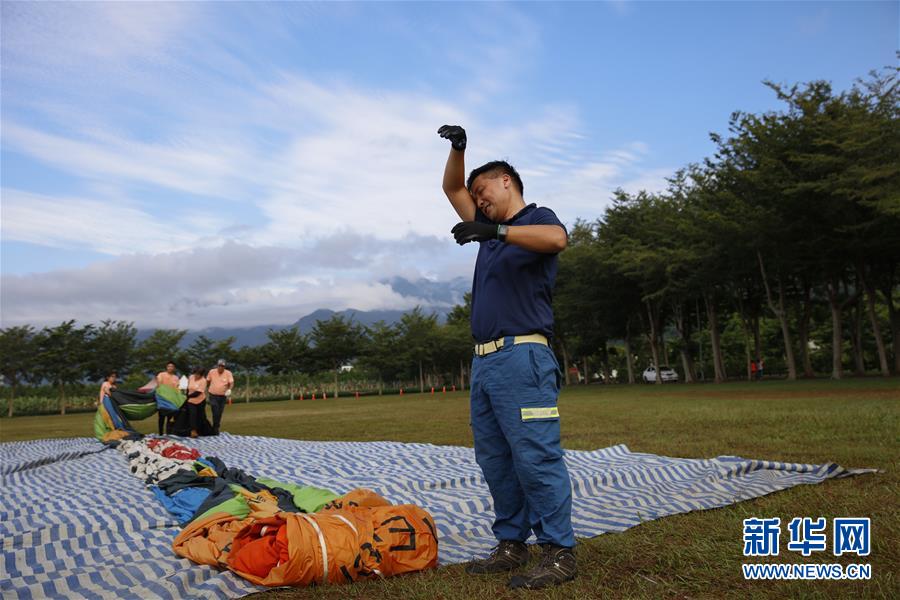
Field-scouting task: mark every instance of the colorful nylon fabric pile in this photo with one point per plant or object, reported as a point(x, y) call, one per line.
point(275, 533)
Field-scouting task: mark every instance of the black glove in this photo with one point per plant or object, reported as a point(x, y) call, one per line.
point(456, 135)
point(472, 231)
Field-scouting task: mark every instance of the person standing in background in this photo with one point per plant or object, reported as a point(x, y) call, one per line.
point(108, 385)
point(169, 378)
point(220, 383)
point(196, 397)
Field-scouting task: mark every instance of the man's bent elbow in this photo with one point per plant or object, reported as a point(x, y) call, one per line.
point(560, 241)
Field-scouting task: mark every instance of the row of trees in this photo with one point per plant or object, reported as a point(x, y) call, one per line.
point(795, 218)
point(416, 347)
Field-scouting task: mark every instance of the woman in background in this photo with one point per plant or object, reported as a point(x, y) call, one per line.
point(169, 378)
point(108, 385)
point(196, 393)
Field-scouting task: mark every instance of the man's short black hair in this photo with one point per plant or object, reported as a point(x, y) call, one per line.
point(497, 168)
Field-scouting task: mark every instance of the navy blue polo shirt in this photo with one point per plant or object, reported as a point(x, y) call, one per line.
point(512, 290)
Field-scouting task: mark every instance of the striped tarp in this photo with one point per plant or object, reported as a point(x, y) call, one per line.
point(77, 524)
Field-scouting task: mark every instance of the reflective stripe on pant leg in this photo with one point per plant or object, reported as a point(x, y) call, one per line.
point(493, 454)
point(529, 382)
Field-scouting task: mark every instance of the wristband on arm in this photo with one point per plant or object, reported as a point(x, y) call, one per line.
point(502, 230)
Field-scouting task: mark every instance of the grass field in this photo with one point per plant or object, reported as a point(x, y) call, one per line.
point(855, 423)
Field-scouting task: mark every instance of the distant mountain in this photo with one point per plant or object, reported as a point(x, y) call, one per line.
point(437, 297)
point(434, 296)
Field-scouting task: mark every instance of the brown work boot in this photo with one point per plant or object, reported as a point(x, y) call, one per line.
point(557, 566)
point(506, 556)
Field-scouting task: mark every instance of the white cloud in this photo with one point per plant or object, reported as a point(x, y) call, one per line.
point(233, 284)
point(329, 186)
point(653, 180)
point(194, 166)
point(104, 224)
point(59, 35)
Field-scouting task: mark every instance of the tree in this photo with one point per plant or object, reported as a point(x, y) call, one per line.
point(419, 334)
point(337, 341)
point(61, 354)
point(17, 348)
point(638, 230)
point(204, 352)
point(110, 347)
point(161, 347)
point(287, 351)
point(454, 342)
point(200, 353)
point(382, 352)
point(593, 302)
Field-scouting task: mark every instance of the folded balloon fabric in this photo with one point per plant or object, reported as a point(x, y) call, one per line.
point(276, 534)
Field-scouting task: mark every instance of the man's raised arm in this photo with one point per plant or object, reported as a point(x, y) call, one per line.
point(455, 173)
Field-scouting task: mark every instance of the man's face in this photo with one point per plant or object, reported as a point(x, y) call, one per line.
point(491, 194)
point(170, 368)
point(220, 368)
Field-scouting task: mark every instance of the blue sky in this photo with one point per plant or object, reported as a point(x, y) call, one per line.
point(198, 164)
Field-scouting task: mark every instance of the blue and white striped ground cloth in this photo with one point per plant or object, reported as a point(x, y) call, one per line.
point(77, 524)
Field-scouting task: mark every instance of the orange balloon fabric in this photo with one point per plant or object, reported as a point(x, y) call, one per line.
point(358, 536)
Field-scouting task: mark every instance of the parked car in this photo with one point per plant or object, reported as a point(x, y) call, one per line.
point(667, 374)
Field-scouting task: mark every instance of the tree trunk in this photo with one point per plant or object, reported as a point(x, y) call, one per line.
point(713, 318)
point(780, 312)
point(757, 343)
point(837, 334)
point(745, 321)
point(687, 365)
point(652, 338)
point(421, 378)
point(12, 399)
point(629, 355)
point(247, 393)
point(586, 371)
point(856, 341)
point(565, 354)
point(665, 350)
point(803, 333)
point(462, 375)
point(62, 399)
point(701, 375)
point(336, 389)
point(873, 319)
point(683, 325)
point(606, 373)
point(894, 315)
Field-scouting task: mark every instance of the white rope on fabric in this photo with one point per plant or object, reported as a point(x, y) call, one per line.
point(315, 525)
point(349, 524)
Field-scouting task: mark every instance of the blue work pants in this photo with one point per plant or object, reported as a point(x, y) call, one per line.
point(515, 425)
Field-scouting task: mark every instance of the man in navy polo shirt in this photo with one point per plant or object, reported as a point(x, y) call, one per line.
point(515, 375)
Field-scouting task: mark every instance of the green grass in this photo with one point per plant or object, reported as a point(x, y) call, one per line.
point(855, 423)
